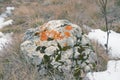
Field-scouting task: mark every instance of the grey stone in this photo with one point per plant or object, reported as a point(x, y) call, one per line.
point(63, 33)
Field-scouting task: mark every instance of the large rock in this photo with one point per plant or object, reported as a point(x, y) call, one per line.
point(59, 44)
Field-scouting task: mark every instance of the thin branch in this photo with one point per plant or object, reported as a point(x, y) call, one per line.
point(103, 6)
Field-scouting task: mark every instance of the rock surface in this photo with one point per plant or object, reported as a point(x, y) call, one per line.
point(61, 44)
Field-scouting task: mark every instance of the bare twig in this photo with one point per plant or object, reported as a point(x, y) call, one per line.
point(103, 6)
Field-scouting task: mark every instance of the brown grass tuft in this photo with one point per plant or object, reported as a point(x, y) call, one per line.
point(102, 57)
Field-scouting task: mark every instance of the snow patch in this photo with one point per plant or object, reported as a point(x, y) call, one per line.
point(112, 72)
point(4, 39)
point(113, 67)
point(6, 23)
point(8, 12)
point(113, 44)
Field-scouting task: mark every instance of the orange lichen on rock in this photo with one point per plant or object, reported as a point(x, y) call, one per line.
point(46, 34)
point(43, 36)
point(54, 34)
point(65, 44)
point(68, 27)
point(50, 34)
point(67, 34)
point(58, 36)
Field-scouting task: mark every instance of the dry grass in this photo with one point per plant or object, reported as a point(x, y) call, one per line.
point(13, 66)
point(102, 57)
point(24, 10)
point(77, 11)
point(14, 29)
point(28, 12)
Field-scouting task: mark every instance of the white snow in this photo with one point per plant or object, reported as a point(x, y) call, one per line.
point(6, 23)
point(114, 39)
point(10, 8)
point(112, 72)
point(113, 66)
point(8, 12)
point(5, 38)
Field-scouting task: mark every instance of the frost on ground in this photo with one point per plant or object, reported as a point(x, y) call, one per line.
point(113, 67)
